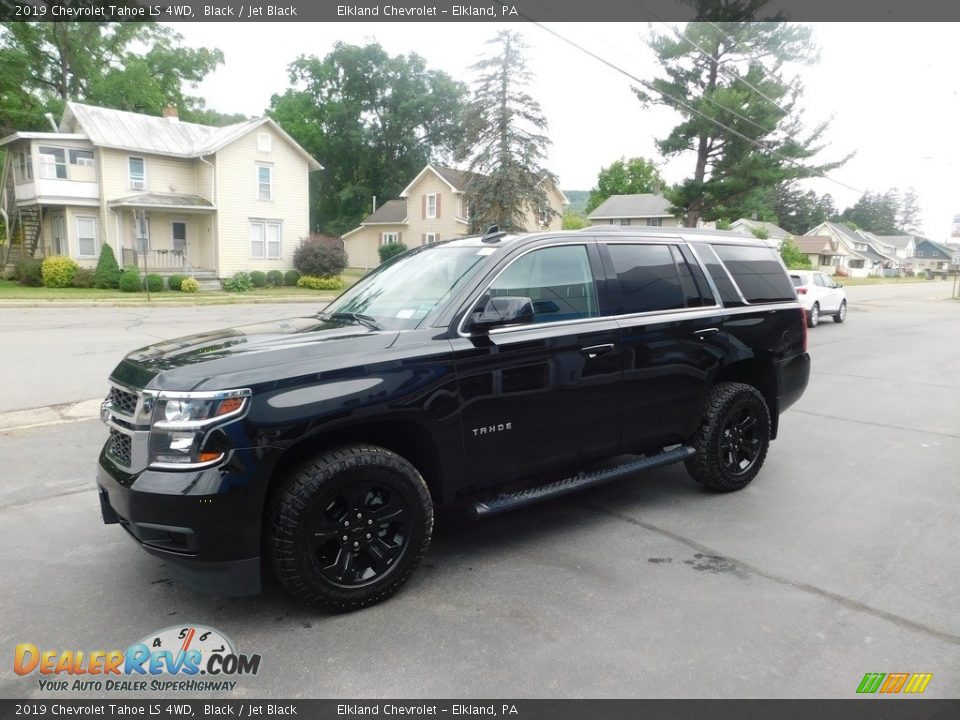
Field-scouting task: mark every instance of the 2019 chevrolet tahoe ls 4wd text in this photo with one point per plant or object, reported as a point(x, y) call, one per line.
point(485, 372)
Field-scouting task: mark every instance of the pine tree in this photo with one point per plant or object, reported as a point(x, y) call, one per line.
point(505, 141)
point(107, 274)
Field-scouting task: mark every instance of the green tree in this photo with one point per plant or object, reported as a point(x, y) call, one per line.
point(625, 177)
point(505, 141)
point(574, 220)
point(875, 212)
point(727, 73)
point(135, 66)
point(373, 120)
point(908, 215)
point(797, 211)
point(793, 258)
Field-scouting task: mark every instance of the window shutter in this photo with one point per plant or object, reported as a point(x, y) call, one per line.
point(438, 206)
point(423, 208)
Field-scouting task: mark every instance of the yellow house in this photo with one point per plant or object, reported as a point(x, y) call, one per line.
point(432, 207)
point(169, 195)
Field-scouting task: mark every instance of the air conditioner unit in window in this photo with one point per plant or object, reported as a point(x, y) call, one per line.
point(138, 185)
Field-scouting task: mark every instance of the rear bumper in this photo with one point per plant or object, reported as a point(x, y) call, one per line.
point(209, 540)
point(792, 378)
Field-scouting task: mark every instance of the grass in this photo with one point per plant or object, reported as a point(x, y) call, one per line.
point(848, 281)
point(10, 290)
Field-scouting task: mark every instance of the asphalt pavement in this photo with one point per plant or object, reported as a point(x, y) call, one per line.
point(838, 560)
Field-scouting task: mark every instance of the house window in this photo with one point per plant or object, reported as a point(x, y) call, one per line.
point(87, 237)
point(654, 222)
point(178, 231)
point(918, 253)
point(860, 246)
point(431, 206)
point(264, 182)
point(430, 238)
point(389, 237)
point(53, 163)
point(22, 167)
point(82, 157)
point(264, 142)
point(137, 171)
point(265, 239)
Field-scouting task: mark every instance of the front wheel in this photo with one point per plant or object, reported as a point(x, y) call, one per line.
point(841, 314)
point(349, 528)
point(732, 442)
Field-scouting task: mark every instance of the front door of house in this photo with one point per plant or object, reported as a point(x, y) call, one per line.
point(179, 234)
point(59, 235)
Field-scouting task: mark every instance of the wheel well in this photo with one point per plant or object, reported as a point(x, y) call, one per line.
point(760, 374)
point(408, 439)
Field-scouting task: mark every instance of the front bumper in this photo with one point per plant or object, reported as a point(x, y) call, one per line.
point(206, 530)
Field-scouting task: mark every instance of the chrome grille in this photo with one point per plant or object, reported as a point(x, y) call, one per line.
point(122, 401)
point(120, 447)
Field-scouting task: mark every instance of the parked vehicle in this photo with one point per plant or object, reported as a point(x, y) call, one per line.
point(484, 372)
point(819, 295)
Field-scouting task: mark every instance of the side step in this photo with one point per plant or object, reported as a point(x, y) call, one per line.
point(509, 501)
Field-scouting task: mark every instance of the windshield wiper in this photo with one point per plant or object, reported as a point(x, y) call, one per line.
point(358, 317)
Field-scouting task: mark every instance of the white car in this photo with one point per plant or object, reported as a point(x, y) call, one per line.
point(819, 295)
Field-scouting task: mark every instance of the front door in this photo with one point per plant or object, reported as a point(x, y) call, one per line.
point(59, 235)
point(178, 231)
point(547, 393)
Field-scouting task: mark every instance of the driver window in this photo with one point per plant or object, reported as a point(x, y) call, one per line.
point(558, 280)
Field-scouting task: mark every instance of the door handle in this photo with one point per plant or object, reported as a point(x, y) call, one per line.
point(595, 351)
point(706, 332)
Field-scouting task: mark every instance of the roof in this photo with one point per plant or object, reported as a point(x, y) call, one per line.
point(644, 205)
point(942, 249)
point(897, 241)
point(392, 211)
point(816, 244)
point(774, 232)
point(41, 136)
point(458, 179)
point(150, 134)
point(162, 200)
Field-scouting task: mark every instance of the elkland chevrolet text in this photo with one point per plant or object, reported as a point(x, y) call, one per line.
point(485, 372)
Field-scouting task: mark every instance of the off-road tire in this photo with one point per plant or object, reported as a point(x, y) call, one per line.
point(711, 465)
point(307, 505)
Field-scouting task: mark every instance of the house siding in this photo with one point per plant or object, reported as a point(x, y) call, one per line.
point(237, 202)
point(362, 246)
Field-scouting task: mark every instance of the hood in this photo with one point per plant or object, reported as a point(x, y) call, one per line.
point(250, 354)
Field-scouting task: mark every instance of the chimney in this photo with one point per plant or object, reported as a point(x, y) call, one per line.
point(170, 113)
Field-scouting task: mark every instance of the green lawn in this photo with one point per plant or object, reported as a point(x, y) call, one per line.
point(10, 290)
point(847, 281)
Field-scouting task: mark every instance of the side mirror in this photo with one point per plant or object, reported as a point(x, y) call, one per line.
point(499, 311)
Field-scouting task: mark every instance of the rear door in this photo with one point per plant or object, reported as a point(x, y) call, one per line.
point(671, 333)
point(830, 295)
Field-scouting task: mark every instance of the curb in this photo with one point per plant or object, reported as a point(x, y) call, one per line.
point(50, 415)
point(165, 303)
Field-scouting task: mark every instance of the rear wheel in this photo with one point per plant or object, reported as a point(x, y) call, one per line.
point(732, 442)
point(841, 314)
point(813, 317)
point(348, 528)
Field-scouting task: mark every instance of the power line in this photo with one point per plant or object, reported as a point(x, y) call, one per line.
point(649, 86)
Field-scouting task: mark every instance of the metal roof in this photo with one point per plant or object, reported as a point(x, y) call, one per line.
point(645, 205)
point(163, 200)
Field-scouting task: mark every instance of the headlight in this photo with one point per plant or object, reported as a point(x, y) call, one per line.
point(180, 431)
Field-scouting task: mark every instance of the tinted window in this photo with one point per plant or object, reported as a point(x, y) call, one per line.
point(558, 280)
point(758, 272)
point(728, 293)
point(797, 280)
point(648, 277)
point(693, 283)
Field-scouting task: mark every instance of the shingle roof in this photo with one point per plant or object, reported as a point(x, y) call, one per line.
point(897, 241)
point(819, 244)
point(458, 178)
point(392, 211)
point(645, 205)
point(774, 232)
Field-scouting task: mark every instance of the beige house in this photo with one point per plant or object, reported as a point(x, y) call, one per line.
point(170, 195)
point(432, 207)
point(643, 209)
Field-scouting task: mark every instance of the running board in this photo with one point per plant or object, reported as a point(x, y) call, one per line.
point(509, 501)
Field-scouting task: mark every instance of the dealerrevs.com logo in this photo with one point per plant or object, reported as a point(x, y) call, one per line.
point(192, 658)
point(894, 683)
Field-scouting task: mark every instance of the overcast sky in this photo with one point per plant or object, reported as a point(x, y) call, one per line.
point(892, 89)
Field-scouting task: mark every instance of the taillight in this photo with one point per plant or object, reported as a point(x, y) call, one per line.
point(803, 324)
point(801, 291)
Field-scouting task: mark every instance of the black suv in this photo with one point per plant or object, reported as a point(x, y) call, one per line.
point(486, 372)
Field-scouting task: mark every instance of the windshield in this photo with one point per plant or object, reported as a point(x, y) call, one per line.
point(400, 294)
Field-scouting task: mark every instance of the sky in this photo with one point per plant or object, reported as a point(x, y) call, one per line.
point(891, 91)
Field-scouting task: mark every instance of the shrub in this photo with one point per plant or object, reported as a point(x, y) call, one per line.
point(290, 278)
point(29, 272)
point(320, 283)
point(793, 258)
point(240, 282)
point(84, 278)
point(58, 272)
point(130, 281)
point(176, 280)
point(390, 250)
point(107, 274)
point(274, 278)
point(258, 279)
point(321, 256)
point(154, 282)
point(189, 285)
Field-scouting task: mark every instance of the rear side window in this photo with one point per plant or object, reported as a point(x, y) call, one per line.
point(758, 272)
point(648, 277)
point(797, 280)
point(696, 291)
point(728, 293)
